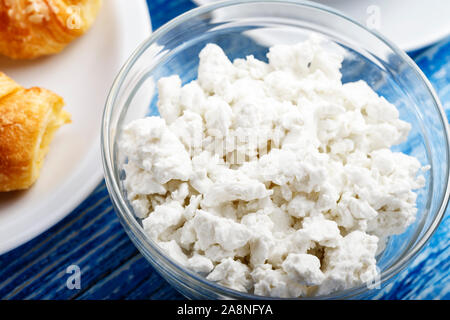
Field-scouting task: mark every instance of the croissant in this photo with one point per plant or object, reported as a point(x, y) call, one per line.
point(28, 120)
point(33, 28)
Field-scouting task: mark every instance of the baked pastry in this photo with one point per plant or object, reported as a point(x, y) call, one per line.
point(33, 28)
point(28, 120)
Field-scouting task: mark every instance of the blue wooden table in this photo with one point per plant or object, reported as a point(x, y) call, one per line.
point(92, 238)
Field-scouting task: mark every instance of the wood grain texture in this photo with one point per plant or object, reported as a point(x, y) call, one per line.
point(112, 268)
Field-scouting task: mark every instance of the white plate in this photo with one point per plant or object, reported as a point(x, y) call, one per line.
point(411, 24)
point(82, 74)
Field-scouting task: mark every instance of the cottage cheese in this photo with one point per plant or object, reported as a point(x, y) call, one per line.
point(272, 178)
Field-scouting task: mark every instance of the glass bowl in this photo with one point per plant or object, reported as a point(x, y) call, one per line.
point(249, 27)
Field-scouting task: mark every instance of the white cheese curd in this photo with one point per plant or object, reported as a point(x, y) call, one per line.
point(272, 178)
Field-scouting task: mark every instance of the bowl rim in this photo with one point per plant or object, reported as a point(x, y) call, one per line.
point(137, 233)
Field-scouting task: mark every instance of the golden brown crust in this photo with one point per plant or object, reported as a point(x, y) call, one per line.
point(33, 28)
point(28, 119)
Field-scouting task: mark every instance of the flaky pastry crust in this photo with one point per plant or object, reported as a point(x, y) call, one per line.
point(28, 120)
point(33, 28)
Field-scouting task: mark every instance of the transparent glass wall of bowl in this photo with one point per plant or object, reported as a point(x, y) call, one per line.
point(250, 29)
